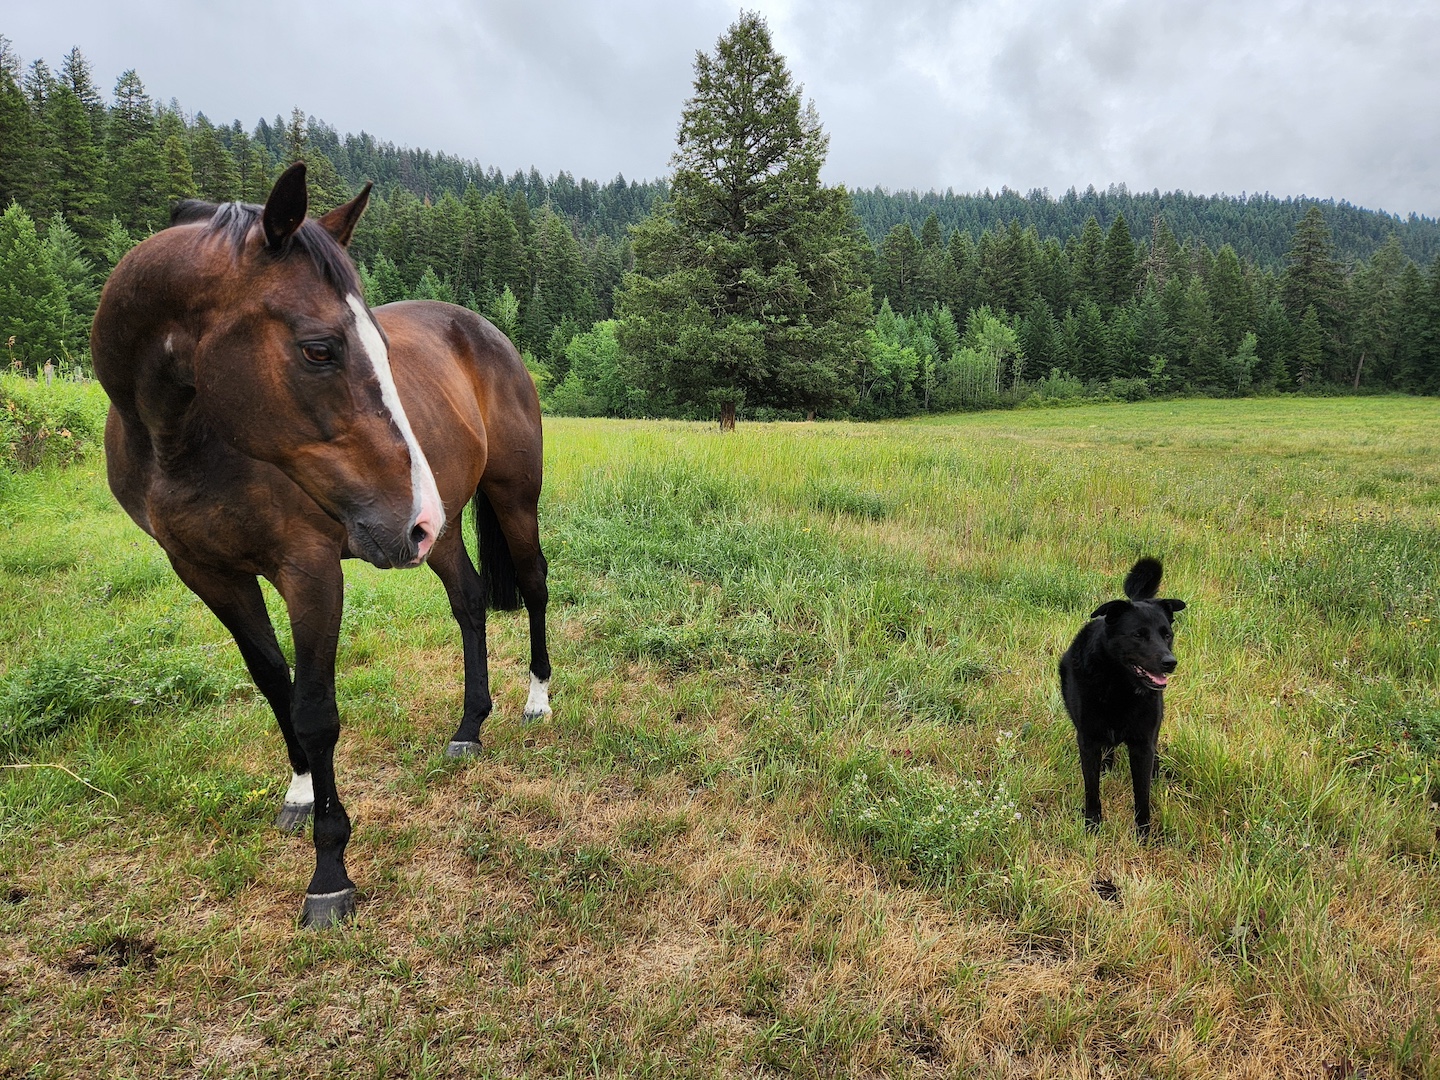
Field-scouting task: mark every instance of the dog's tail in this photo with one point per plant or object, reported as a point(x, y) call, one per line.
point(1143, 581)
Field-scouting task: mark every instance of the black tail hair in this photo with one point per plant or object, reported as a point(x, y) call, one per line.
point(497, 568)
point(1143, 581)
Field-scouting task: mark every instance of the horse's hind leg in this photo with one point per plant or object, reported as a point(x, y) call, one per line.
point(238, 603)
point(451, 563)
point(515, 507)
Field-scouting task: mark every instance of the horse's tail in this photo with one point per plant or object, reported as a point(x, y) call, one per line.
point(497, 568)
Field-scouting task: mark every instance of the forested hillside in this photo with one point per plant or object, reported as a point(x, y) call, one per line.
point(973, 299)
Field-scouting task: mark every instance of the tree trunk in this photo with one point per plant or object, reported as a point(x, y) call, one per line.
point(1359, 368)
point(727, 416)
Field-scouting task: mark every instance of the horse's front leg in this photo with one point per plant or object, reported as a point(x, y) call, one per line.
point(238, 603)
point(314, 595)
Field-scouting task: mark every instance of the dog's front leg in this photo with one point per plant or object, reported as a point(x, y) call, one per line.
point(1142, 771)
point(1091, 755)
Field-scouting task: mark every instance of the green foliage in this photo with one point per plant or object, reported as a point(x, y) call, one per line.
point(103, 684)
point(597, 380)
point(748, 279)
point(54, 425)
point(34, 309)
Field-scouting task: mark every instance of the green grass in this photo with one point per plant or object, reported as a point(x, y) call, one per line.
point(809, 802)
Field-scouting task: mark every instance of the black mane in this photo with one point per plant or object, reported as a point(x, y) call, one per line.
point(234, 220)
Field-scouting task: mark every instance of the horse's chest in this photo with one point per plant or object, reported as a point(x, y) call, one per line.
point(216, 524)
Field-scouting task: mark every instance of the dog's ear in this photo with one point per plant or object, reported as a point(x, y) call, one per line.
point(1172, 606)
point(1143, 581)
point(1111, 610)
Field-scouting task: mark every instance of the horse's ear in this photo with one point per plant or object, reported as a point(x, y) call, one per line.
point(286, 206)
point(340, 222)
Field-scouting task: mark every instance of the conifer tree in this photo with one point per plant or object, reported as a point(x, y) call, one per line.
point(132, 114)
point(1117, 264)
point(77, 168)
point(748, 283)
point(898, 268)
point(17, 136)
point(1084, 252)
point(33, 307)
point(217, 178)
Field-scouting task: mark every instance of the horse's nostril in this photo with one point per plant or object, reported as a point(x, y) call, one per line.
point(418, 535)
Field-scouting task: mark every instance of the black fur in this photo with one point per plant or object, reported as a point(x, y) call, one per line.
point(1113, 680)
point(497, 567)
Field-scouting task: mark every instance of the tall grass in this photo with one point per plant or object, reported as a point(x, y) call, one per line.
point(809, 802)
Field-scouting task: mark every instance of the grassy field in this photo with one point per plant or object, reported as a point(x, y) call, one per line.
point(809, 802)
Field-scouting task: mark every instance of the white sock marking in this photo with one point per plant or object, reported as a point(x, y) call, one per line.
point(302, 790)
point(422, 480)
point(538, 703)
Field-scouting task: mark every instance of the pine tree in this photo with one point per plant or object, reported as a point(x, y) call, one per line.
point(132, 114)
point(1309, 348)
point(216, 176)
point(17, 136)
point(748, 283)
point(77, 165)
point(75, 73)
point(179, 175)
point(898, 267)
point(1084, 252)
point(1231, 300)
point(140, 188)
point(33, 308)
point(76, 275)
point(384, 285)
point(1118, 275)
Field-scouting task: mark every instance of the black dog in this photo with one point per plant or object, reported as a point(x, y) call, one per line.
point(1113, 679)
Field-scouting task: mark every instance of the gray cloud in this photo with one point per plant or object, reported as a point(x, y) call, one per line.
point(1327, 99)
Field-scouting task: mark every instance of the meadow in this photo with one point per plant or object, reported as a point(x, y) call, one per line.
point(809, 803)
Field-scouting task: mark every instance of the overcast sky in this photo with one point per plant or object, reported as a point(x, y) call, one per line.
point(1325, 99)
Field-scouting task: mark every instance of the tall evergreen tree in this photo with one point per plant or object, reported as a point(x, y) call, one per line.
point(747, 282)
point(77, 170)
point(33, 308)
point(898, 268)
point(17, 137)
point(1084, 252)
point(1118, 265)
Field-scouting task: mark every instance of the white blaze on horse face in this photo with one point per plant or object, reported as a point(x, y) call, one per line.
point(428, 512)
point(302, 790)
point(538, 703)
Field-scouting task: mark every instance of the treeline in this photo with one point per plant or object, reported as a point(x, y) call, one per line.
point(971, 299)
point(1258, 227)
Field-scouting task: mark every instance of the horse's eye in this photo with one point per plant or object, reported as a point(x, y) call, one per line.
point(317, 352)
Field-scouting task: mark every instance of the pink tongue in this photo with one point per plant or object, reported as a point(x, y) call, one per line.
point(1158, 680)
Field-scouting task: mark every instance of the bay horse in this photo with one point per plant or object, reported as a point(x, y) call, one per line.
point(264, 422)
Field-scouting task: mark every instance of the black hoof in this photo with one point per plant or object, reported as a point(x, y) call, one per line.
point(467, 748)
point(323, 910)
point(293, 816)
point(531, 716)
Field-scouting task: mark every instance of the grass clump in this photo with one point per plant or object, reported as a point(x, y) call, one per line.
point(48, 425)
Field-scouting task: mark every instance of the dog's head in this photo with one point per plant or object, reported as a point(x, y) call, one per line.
point(1139, 631)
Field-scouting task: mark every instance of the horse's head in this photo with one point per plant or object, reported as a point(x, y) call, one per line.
point(290, 367)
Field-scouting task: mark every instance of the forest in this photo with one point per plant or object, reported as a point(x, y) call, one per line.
point(949, 301)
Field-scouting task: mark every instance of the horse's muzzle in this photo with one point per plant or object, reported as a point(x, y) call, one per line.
point(388, 548)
